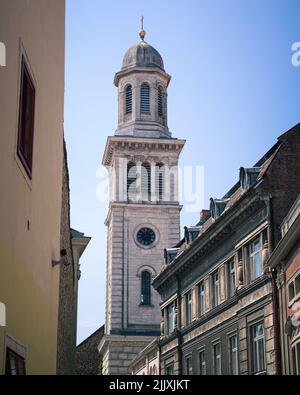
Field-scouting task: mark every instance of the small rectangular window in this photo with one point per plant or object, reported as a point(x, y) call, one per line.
point(296, 358)
point(15, 364)
point(233, 351)
point(170, 315)
point(231, 278)
point(217, 359)
point(201, 291)
point(170, 370)
point(215, 289)
point(189, 366)
point(202, 363)
point(188, 307)
point(297, 284)
point(291, 291)
point(26, 119)
point(258, 360)
point(255, 257)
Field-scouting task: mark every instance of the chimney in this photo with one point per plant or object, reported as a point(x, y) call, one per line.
point(204, 215)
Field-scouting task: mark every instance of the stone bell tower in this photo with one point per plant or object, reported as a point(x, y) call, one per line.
point(144, 213)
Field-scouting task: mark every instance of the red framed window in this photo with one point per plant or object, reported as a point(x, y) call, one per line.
point(26, 119)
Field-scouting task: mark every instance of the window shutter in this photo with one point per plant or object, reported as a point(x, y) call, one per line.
point(145, 98)
point(128, 99)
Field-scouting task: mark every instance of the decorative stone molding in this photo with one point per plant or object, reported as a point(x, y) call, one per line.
point(146, 267)
point(240, 273)
point(265, 255)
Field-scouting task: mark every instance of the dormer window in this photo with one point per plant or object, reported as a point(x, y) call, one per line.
point(145, 98)
point(170, 254)
point(217, 207)
point(128, 99)
point(191, 233)
point(248, 177)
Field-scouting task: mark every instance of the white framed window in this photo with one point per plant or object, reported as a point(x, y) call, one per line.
point(189, 365)
point(294, 288)
point(170, 370)
point(215, 289)
point(170, 318)
point(233, 353)
point(202, 363)
point(188, 300)
point(217, 358)
point(255, 257)
point(258, 360)
point(296, 358)
point(201, 291)
point(231, 278)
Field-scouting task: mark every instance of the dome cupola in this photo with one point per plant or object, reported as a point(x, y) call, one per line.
point(142, 92)
point(142, 55)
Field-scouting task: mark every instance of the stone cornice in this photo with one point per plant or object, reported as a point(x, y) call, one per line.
point(218, 231)
point(140, 144)
point(141, 70)
point(142, 206)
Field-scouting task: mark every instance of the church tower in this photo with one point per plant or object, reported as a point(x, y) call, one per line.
point(144, 213)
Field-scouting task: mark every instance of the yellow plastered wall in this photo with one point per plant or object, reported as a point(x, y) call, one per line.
point(30, 210)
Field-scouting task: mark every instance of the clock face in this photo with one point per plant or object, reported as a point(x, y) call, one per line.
point(145, 236)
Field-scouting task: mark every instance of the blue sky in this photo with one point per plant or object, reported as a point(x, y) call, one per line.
point(233, 91)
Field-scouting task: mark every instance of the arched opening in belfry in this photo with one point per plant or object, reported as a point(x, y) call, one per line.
point(146, 181)
point(131, 181)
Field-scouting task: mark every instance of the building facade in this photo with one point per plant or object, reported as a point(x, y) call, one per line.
point(88, 360)
point(143, 215)
point(72, 244)
point(31, 170)
point(219, 310)
point(147, 361)
point(285, 260)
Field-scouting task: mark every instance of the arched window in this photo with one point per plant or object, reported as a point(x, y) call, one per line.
point(145, 98)
point(146, 181)
point(128, 99)
point(160, 101)
point(145, 287)
point(159, 180)
point(131, 181)
point(154, 371)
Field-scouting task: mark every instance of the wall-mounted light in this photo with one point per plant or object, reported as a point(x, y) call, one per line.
point(63, 258)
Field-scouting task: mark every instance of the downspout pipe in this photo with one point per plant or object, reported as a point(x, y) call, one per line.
point(179, 326)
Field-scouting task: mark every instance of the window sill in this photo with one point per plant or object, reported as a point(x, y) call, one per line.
point(146, 305)
point(23, 170)
point(294, 300)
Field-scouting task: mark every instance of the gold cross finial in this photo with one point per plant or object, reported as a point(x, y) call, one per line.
point(142, 31)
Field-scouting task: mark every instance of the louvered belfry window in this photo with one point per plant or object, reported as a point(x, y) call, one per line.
point(145, 98)
point(128, 99)
point(146, 287)
point(159, 181)
point(146, 181)
point(160, 102)
point(131, 181)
